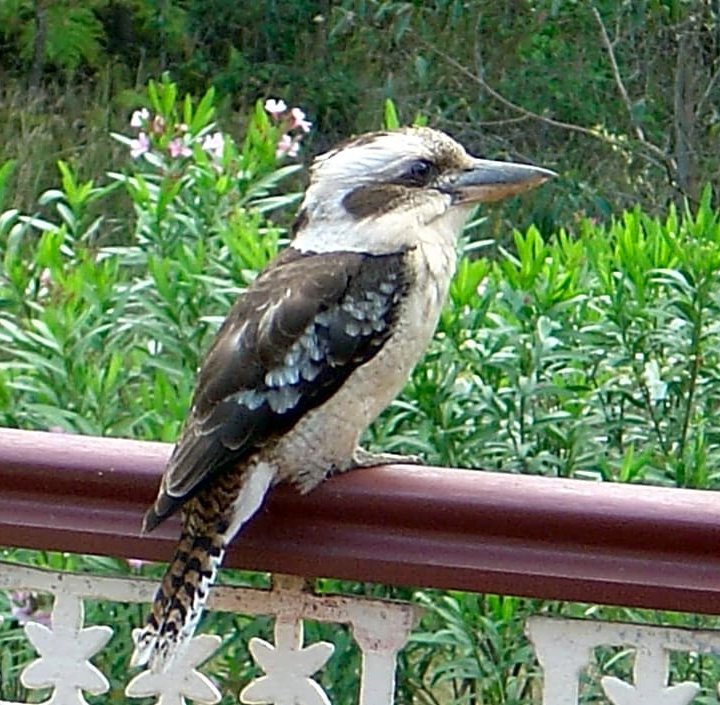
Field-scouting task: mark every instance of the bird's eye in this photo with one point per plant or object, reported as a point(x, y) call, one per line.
point(419, 173)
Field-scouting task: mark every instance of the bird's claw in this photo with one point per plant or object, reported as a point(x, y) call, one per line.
point(365, 459)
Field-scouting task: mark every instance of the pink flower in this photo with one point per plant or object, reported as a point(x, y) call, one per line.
point(214, 144)
point(298, 117)
point(139, 117)
point(157, 126)
point(287, 146)
point(139, 146)
point(275, 107)
point(178, 148)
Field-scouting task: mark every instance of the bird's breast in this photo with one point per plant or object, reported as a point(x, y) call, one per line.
point(327, 436)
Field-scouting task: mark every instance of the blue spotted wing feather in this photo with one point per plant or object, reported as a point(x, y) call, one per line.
point(288, 344)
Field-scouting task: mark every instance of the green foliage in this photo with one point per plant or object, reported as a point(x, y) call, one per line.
point(391, 121)
point(6, 171)
point(591, 355)
point(469, 647)
point(97, 336)
point(586, 353)
point(530, 79)
point(71, 34)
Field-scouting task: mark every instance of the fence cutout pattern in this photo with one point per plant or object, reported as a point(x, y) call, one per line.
point(564, 647)
point(66, 647)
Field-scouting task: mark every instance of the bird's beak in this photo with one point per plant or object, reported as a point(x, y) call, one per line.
point(485, 181)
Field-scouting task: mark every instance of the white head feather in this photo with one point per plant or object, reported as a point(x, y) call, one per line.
point(378, 158)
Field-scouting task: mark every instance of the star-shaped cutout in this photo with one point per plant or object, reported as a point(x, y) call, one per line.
point(288, 667)
point(621, 693)
point(179, 680)
point(65, 649)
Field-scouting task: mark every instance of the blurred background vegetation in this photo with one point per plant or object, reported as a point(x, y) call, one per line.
point(586, 345)
point(620, 97)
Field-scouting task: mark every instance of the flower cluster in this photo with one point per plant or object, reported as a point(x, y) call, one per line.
point(177, 140)
point(293, 123)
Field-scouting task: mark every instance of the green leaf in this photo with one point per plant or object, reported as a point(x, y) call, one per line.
point(154, 97)
point(204, 112)
point(168, 96)
point(390, 116)
point(6, 171)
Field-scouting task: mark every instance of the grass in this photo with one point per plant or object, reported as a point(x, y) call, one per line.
point(37, 130)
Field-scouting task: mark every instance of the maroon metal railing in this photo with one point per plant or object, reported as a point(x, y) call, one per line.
point(402, 525)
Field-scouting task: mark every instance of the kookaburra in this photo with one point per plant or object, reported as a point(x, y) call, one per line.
point(317, 347)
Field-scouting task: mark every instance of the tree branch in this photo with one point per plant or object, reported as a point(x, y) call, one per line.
point(660, 160)
point(38, 62)
point(706, 93)
point(616, 74)
point(667, 160)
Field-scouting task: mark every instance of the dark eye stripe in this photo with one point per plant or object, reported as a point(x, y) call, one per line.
point(375, 199)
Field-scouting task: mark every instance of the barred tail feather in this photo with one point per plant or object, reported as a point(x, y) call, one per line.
point(209, 525)
point(179, 601)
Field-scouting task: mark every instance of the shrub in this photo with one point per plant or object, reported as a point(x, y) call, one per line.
point(589, 353)
point(101, 327)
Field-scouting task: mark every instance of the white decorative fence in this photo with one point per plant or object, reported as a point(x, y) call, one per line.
point(66, 647)
point(564, 647)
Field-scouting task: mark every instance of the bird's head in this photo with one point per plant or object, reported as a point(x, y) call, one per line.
point(383, 191)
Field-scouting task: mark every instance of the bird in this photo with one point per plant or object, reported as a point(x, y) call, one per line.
point(316, 347)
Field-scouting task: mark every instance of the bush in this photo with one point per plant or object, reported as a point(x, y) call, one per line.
point(587, 354)
point(101, 327)
point(591, 354)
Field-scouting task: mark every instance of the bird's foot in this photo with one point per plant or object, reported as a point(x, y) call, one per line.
point(362, 458)
point(365, 459)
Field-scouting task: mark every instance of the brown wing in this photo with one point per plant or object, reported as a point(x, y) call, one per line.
point(287, 345)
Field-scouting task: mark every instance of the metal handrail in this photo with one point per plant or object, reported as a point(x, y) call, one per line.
point(400, 525)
